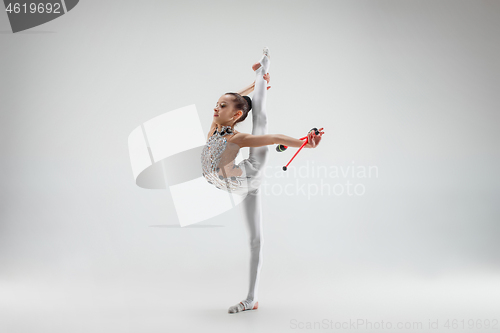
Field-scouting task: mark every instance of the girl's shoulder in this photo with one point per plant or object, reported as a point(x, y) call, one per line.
point(235, 134)
point(236, 138)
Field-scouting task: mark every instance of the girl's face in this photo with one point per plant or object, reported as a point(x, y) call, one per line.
point(224, 112)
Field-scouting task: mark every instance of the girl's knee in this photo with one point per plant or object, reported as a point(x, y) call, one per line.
point(260, 119)
point(256, 243)
point(262, 156)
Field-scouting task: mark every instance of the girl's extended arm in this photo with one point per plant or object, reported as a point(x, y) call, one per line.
point(249, 140)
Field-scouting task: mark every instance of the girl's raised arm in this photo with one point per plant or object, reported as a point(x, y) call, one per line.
point(247, 90)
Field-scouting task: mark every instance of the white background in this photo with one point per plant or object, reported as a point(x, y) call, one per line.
point(410, 87)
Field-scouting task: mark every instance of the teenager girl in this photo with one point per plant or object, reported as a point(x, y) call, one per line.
point(223, 145)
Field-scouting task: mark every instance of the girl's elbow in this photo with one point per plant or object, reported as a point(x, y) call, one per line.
point(276, 139)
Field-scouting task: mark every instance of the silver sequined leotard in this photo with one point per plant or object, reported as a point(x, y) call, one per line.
point(217, 162)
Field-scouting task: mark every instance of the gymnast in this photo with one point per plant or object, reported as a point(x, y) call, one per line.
point(222, 147)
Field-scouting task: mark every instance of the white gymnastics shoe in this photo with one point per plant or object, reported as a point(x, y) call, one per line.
point(244, 306)
point(264, 61)
point(266, 52)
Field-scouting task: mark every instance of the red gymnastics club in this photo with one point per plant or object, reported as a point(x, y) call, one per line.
point(282, 148)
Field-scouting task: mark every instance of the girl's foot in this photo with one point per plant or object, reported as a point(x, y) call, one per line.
point(263, 61)
point(244, 306)
point(266, 52)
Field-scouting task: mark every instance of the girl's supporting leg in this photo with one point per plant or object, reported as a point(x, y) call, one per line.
point(253, 215)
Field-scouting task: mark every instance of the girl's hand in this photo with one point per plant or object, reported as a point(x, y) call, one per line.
point(313, 140)
point(267, 77)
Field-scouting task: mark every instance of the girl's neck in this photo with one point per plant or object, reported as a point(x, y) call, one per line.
point(219, 127)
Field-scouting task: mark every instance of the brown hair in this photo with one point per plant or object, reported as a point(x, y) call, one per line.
point(242, 103)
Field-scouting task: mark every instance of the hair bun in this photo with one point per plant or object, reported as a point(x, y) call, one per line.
point(249, 101)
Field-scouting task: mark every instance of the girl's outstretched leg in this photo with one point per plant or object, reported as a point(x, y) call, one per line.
point(258, 155)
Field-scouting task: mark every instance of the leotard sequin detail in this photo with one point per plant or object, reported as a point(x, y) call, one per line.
point(217, 161)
